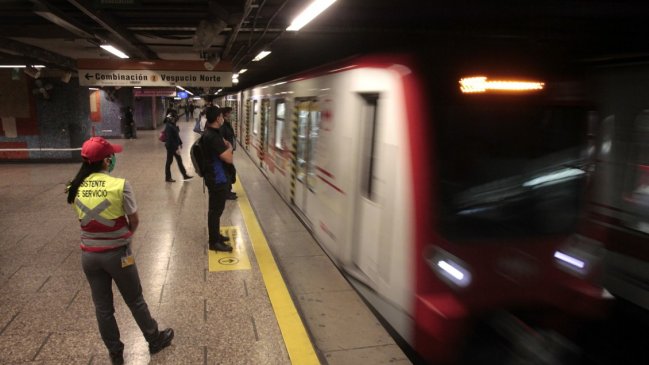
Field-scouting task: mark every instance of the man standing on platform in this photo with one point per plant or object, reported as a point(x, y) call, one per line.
point(217, 152)
point(228, 133)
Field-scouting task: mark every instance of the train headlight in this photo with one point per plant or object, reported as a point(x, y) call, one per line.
point(579, 256)
point(448, 267)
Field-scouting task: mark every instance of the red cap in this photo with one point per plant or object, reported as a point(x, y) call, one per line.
point(97, 148)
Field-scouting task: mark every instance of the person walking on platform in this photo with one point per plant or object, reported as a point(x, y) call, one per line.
point(228, 133)
point(217, 153)
point(107, 212)
point(197, 113)
point(173, 146)
point(129, 123)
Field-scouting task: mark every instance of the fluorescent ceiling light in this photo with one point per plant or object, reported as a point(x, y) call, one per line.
point(137, 87)
point(242, 71)
point(307, 15)
point(20, 66)
point(261, 55)
point(114, 51)
point(93, 88)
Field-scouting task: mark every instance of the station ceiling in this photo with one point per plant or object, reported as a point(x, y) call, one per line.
point(58, 32)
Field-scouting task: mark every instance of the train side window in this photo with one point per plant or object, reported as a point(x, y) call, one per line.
point(368, 142)
point(280, 113)
point(256, 117)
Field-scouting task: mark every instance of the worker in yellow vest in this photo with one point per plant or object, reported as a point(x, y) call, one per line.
point(108, 215)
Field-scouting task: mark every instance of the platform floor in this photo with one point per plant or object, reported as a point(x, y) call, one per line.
point(232, 316)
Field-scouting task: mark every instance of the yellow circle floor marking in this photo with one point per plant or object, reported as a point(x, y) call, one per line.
point(228, 261)
point(298, 344)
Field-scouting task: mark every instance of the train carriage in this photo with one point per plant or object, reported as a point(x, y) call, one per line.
point(619, 205)
point(449, 196)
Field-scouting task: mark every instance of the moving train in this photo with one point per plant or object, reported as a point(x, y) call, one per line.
point(618, 208)
point(447, 188)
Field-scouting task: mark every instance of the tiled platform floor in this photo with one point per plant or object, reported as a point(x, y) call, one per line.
point(47, 316)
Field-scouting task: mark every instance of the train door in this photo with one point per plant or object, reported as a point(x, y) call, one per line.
point(308, 129)
point(263, 142)
point(367, 235)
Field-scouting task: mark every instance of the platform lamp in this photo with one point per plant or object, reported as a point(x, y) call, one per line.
point(32, 71)
point(211, 62)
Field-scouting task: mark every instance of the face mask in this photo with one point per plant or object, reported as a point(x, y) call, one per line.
point(111, 166)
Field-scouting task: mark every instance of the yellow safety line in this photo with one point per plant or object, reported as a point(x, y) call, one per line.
point(299, 346)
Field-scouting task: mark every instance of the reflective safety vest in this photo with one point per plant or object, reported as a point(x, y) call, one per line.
point(99, 204)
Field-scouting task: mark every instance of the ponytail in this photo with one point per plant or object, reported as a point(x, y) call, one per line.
point(85, 171)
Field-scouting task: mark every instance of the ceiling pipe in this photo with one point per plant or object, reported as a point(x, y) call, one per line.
point(279, 9)
point(246, 11)
point(42, 55)
point(125, 37)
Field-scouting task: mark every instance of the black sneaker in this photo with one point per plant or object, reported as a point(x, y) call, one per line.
point(220, 246)
point(232, 196)
point(163, 340)
point(116, 358)
point(170, 180)
point(224, 238)
point(188, 177)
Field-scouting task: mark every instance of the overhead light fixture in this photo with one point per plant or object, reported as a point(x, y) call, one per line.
point(114, 51)
point(93, 88)
point(137, 87)
point(183, 89)
point(20, 66)
point(307, 15)
point(242, 71)
point(261, 55)
point(32, 71)
point(211, 62)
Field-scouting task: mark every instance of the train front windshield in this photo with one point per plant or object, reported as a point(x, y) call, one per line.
point(509, 164)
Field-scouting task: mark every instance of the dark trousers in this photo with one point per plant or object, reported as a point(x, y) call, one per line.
point(179, 161)
point(101, 268)
point(218, 194)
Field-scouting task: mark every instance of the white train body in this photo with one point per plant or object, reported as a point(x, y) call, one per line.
point(356, 151)
point(367, 236)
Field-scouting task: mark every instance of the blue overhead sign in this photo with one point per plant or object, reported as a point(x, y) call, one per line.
point(182, 94)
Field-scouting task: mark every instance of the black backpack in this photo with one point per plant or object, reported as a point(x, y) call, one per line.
point(198, 157)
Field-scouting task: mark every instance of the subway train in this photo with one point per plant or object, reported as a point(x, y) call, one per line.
point(618, 206)
point(448, 189)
